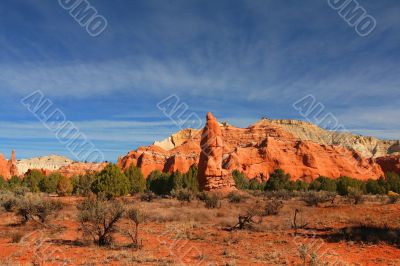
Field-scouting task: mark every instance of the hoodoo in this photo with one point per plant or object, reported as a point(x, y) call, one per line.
point(212, 176)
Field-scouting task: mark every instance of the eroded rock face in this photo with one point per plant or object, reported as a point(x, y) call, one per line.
point(211, 175)
point(8, 168)
point(51, 163)
point(368, 147)
point(4, 170)
point(12, 165)
point(390, 163)
point(76, 169)
point(257, 151)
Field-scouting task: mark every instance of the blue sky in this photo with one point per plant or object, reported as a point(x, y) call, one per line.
point(240, 59)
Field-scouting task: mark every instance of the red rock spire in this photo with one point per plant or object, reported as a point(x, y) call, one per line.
point(212, 176)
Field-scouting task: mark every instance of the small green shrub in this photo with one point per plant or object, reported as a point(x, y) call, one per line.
point(137, 217)
point(64, 186)
point(111, 181)
point(32, 179)
point(36, 208)
point(273, 207)
point(278, 180)
point(82, 185)
point(212, 201)
point(148, 196)
point(8, 201)
point(159, 183)
point(241, 181)
point(98, 219)
point(346, 184)
point(136, 179)
point(235, 197)
point(393, 197)
point(323, 183)
point(355, 195)
point(183, 195)
point(314, 198)
point(48, 184)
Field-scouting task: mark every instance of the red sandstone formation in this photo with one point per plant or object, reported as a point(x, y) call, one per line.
point(211, 174)
point(390, 163)
point(8, 168)
point(257, 151)
point(43, 171)
point(4, 171)
point(12, 164)
point(76, 169)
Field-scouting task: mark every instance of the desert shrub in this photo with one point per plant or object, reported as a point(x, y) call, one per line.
point(64, 186)
point(136, 179)
point(48, 184)
point(323, 183)
point(254, 184)
point(346, 184)
point(159, 183)
point(32, 180)
point(241, 181)
point(355, 195)
point(14, 182)
point(376, 187)
point(175, 181)
point(82, 185)
point(148, 196)
point(235, 197)
point(253, 215)
point(393, 182)
point(211, 200)
point(278, 180)
point(8, 201)
point(35, 207)
point(111, 181)
point(183, 195)
point(393, 197)
point(136, 217)
point(298, 185)
point(280, 194)
point(20, 191)
point(3, 183)
point(190, 180)
point(273, 207)
point(314, 198)
point(98, 218)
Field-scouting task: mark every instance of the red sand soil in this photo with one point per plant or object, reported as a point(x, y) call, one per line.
point(190, 234)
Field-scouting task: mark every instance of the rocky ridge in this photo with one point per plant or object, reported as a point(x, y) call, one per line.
point(50, 163)
point(257, 150)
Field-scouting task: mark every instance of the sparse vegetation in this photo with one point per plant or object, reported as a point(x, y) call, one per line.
point(273, 207)
point(111, 181)
point(313, 198)
point(136, 179)
point(36, 208)
point(211, 200)
point(136, 217)
point(183, 195)
point(98, 218)
point(82, 185)
point(235, 197)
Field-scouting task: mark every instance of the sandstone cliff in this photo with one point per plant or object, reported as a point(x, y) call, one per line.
point(51, 163)
point(8, 168)
point(390, 163)
point(257, 151)
point(76, 168)
point(366, 146)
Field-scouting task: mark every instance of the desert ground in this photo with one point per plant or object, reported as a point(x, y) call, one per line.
point(188, 233)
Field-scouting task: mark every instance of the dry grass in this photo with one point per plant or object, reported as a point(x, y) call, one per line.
point(188, 234)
